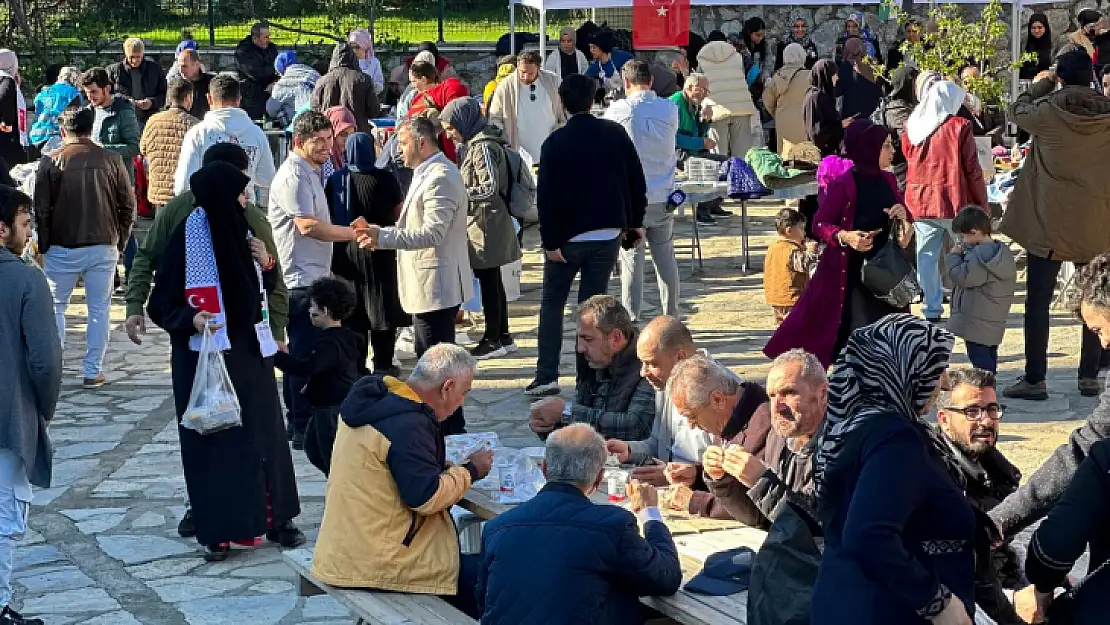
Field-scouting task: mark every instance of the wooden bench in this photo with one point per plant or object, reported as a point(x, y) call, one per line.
point(377, 607)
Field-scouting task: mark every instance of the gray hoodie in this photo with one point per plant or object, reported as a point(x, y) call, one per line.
point(31, 359)
point(985, 278)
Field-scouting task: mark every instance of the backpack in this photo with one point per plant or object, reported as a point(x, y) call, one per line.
point(520, 197)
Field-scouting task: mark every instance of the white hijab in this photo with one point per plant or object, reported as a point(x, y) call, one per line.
point(942, 100)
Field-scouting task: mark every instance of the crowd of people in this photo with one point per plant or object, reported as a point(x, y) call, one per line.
point(314, 265)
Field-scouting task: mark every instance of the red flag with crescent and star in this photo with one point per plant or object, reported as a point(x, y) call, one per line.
point(660, 23)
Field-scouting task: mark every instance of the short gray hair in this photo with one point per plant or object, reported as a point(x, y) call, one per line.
point(421, 127)
point(811, 367)
point(133, 44)
point(697, 377)
point(575, 455)
point(441, 362)
point(957, 376)
point(693, 79)
point(607, 314)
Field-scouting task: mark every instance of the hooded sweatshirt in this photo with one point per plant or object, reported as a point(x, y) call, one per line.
point(348, 86)
point(985, 277)
point(334, 366)
point(49, 104)
point(292, 92)
point(228, 125)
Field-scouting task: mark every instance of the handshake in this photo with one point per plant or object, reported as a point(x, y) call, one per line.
point(366, 233)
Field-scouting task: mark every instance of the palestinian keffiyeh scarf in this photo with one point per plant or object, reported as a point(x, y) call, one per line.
point(891, 366)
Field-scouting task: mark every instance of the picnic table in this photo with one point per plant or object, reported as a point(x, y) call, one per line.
point(695, 537)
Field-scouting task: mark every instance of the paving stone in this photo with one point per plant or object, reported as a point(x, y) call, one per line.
point(70, 602)
point(323, 606)
point(65, 578)
point(272, 587)
point(113, 618)
point(164, 568)
point(256, 610)
point(188, 588)
point(100, 524)
point(276, 570)
point(80, 450)
point(26, 557)
point(102, 433)
point(134, 549)
point(149, 519)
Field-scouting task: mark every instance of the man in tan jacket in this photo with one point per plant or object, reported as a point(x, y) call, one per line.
point(526, 105)
point(387, 513)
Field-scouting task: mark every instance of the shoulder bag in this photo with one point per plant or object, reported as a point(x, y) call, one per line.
point(888, 275)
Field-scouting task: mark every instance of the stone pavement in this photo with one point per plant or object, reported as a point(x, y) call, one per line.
point(104, 549)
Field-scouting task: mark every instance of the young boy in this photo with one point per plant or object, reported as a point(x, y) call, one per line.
point(788, 263)
point(335, 364)
point(984, 275)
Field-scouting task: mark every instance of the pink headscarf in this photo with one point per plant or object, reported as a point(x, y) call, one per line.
point(341, 119)
point(362, 37)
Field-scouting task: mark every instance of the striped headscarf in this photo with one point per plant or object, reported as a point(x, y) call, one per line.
point(891, 366)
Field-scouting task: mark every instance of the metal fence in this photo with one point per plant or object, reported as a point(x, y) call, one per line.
point(87, 23)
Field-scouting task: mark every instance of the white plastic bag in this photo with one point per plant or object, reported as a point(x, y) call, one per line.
point(213, 405)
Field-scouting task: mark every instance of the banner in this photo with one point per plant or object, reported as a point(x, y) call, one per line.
point(660, 23)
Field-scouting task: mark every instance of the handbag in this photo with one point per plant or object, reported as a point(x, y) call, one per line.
point(889, 276)
point(1062, 609)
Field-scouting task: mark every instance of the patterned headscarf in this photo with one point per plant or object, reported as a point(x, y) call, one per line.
point(891, 366)
point(361, 36)
point(791, 37)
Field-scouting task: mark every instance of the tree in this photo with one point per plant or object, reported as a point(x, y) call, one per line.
point(951, 43)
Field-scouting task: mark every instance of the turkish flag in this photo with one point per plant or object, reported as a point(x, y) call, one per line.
point(206, 298)
point(660, 23)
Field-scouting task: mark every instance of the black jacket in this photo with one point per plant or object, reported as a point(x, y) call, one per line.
point(1079, 519)
point(348, 86)
point(11, 150)
point(573, 198)
point(1033, 500)
point(200, 95)
point(153, 87)
point(256, 71)
point(336, 363)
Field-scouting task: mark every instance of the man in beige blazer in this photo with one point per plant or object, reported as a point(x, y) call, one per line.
point(433, 260)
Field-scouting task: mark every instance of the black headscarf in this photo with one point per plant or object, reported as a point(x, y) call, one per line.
point(819, 114)
point(216, 188)
point(1042, 46)
point(754, 25)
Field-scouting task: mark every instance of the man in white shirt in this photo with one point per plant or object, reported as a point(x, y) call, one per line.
point(304, 236)
point(652, 123)
point(526, 105)
point(225, 122)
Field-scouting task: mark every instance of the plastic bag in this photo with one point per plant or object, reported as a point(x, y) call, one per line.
point(213, 405)
point(518, 477)
point(460, 447)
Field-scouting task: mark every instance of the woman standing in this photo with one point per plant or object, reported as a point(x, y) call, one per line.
point(799, 34)
point(343, 126)
point(898, 530)
point(361, 41)
point(855, 28)
point(363, 190)
point(823, 125)
point(857, 216)
point(734, 114)
point(755, 40)
point(785, 97)
point(13, 110)
point(1038, 42)
point(942, 176)
point(489, 226)
point(893, 113)
point(240, 480)
point(857, 88)
point(567, 59)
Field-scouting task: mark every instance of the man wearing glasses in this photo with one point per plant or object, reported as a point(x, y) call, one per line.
point(526, 105)
point(969, 414)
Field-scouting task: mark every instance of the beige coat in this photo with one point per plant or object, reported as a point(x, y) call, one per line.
point(502, 107)
point(783, 98)
point(433, 264)
point(728, 85)
point(161, 144)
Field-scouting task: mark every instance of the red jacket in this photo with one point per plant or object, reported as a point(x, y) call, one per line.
point(943, 174)
point(437, 98)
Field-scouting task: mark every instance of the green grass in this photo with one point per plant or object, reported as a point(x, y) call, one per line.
point(471, 26)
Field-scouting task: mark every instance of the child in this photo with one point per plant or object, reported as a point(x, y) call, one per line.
point(335, 364)
point(788, 263)
point(985, 277)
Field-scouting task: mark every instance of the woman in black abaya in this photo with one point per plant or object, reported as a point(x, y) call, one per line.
point(240, 480)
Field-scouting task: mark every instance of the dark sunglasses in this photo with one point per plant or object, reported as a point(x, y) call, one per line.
point(532, 88)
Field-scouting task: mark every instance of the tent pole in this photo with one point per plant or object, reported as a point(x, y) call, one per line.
point(512, 26)
point(1015, 48)
point(543, 33)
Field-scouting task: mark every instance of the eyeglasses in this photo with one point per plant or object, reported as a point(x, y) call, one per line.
point(532, 95)
point(990, 412)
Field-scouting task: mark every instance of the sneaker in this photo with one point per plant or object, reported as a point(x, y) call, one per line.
point(96, 382)
point(1034, 391)
point(705, 219)
point(509, 346)
point(717, 211)
point(486, 350)
point(542, 389)
point(217, 553)
point(11, 617)
point(1089, 387)
point(287, 535)
point(187, 527)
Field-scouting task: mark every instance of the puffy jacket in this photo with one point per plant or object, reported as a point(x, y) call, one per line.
point(49, 104)
point(1060, 205)
point(161, 144)
point(943, 173)
point(387, 511)
point(256, 72)
point(559, 558)
point(119, 132)
point(489, 226)
point(348, 86)
point(228, 125)
point(985, 278)
point(153, 87)
point(83, 197)
point(728, 83)
point(291, 93)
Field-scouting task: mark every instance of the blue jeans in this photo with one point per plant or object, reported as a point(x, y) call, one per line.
point(930, 242)
point(983, 357)
point(595, 261)
point(302, 340)
point(97, 265)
